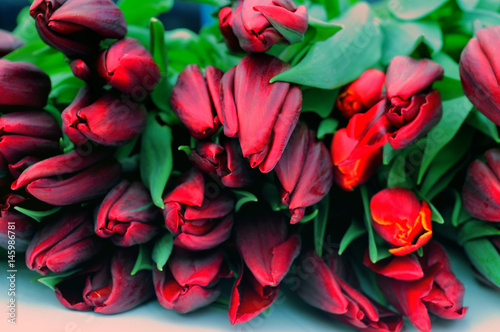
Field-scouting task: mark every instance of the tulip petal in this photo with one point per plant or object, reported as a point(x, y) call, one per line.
point(220, 233)
point(398, 267)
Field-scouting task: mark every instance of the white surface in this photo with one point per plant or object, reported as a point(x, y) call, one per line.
point(39, 311)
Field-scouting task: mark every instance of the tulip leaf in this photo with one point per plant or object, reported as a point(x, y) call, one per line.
point(37, 215)
point(310, 216)
point(320, 222)
point(272, 196)
point(479, 121)
point(143, 261)
point(342, 58)
point(411, 9)
point(53, 279)
point(156, 158)
point(139, 12)
point(327, 127)
point(457, 208)
point(398, 176)
point(243, 197)
point(373, 250)
point(162, 250)
point(25, 28)
point(475, 229)
point(443, 183)
point(319, 101)
point(124, 151)
point(451, 69)
point(355, 230)
point(436, 215)
point(485, 258)
point(323, 30)
point(484, 17)
point(389, 153)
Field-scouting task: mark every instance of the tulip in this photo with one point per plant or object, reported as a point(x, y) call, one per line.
point(225, 162)
point(352, 174)
point(199, 219)
point(71, 178)
point(127, 215)
point(19, 224)
point(401, 220)
point(479, 72)
point(23, 85)
point(107, 287)
point(259, 24)
point(305, 172)
point(196, 102)
point(332, 287)
point(405, 267)
point(76, 27)
point(362, 94)
point(94, 116)
point(226, 18)
point(480, 193)
point(9, 43)
point(266, 247)
point(63, 243)
point(262, 115)
point(191, 280)
point(438, 292)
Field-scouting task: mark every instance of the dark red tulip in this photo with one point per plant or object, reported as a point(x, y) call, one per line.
point(106, 117)
point(362, 94)
point(127, 215)
point(439, 292)
point(226, 18)
point(481, 191)
point(190, 281)
point(331, 286)
point(195, 100)
point(305, 172)
point(353, 173)
point(63, 243)
point(260, 114)
point(107, 287)
point(259, 24)
point(21, 226)
point(199, 218)
point(76, 27)
point(8, 42)
point(23, 85)
point(401, 220)
point(224, 161)
point(406, 267)
point(71, 178)
point(266, 247)
point(479, 72)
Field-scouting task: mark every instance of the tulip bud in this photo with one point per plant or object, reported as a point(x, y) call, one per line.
point(22, 226)
point(191, 280)
point(107, 287)
point(305, 172)
point(480, 193)
point(63, 243)
point(198, 219)
point(226, 18)
point(23, 85)
point(8, 43)
point(261, 114)
point(127, 215)
point(259, 24)
point(75, 27)
point(400, 219)
point(195, 100)
point(479, 72)
point(362, 94)
point(94, 116)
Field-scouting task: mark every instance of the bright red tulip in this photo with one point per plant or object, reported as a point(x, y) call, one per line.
point(8, 42)
point(20, 225)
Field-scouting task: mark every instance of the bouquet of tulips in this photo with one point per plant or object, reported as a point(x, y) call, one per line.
point(329, 148)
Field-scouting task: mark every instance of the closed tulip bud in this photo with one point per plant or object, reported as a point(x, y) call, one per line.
point(362, 94)
point(305, 172)
point(191, 279)
point(196, 102)
point(95, 116)
point(198, 219)
point(127, 215)
point(261, 114)
point(8, 43)
point(23, 85)
point(107, 287)
point(20, 225)
point(71, 178)
point(76, 27)
point(401, 220)
point(353, 173)
point(480, 194)
point(259, 24)
point(63, 243)
point(439, 292)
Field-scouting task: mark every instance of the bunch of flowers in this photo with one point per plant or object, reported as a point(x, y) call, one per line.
point(297, 145)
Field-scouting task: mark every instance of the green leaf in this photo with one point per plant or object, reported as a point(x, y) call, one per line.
point(443, 183)
point(47, 59)
point(162, 250)
point(479, 121)
point(411, 9)
point(320, 224)
point(243, 197)
point(485, 17)
point(355, 230)
point(451, 69)
point(467, 5)
point(475, 229)
point(156, 158)
point(323, 30)
point(485, 258)
point(457, 208)
point(143, 261)
point(389, 153)
point(397, 176)
point(25, 29)
point(319, 101)
point(272, 196)
point(327, 127)
point(37, 215)
point(372, 246)
point(139, 12)
point(308, 217)
point(342, 58)
point(436, 215)
point(52, 280)
point(161, 93)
